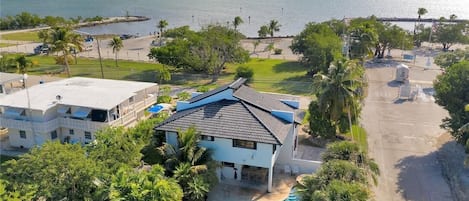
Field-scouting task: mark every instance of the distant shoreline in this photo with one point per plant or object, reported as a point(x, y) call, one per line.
point(109, 20)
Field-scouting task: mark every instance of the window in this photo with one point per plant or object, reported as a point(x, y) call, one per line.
point(53, 135)
point(131, 99)
point(207, 138)
point(87, 135)
point(23, 134)
point(245, 144)
point(274, 148)
point(71, 132)
point(23, 113)
point(226, 164)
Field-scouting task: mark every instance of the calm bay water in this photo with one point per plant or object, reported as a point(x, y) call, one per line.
point(292, 14)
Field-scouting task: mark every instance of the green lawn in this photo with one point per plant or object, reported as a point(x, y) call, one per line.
point(274, 75)
point(22, 36)
point(4, 158)
point(6, 45)
point(359, 136)
point(269, 74)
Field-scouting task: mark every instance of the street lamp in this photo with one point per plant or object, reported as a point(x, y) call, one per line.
point(25, 77)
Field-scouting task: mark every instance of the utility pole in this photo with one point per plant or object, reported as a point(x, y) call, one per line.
point(100, 59)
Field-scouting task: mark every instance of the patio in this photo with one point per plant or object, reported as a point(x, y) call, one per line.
point(230, 190)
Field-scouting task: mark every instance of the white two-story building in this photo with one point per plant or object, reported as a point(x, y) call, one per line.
point(72, 110)
point(248, 132)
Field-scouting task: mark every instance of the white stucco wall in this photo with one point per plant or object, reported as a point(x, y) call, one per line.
point(30, 140)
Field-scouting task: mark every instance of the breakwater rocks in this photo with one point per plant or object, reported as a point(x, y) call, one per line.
point(112, 20)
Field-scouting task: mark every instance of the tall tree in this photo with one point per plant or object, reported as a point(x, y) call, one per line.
point(114, 148)
point(263, 31)
point(237, 21)
point(189, 161)
point(318, 186)
point(319, 46)
point(22, 64)
point(450, 33)
point(59, 171)
point(128, 184)
point(452, 89)
point(116, 44)
point(389, 37)
point(363, 37)
point(274, 26)
point(162, 24)
point(339, 91)
point(63, 39)
point(420, 12)
point(216, 46)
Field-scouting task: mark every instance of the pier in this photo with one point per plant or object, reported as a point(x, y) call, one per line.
point(410, 19)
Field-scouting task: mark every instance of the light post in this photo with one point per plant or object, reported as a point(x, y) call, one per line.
point(25, 77)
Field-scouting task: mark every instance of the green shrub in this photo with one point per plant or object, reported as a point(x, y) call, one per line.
point(164, 99)
point(244, 72)
point(278, 51)
point(203, 89)
point(184, 96)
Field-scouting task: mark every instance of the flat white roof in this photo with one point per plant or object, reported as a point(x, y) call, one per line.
point(77, 91)
point(9, 77)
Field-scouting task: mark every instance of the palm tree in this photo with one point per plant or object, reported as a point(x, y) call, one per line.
point(116, 45)
point(187, 151)
point(161, 25)
point(421, 12)
point(44, 35)
point(274, 26)
point(188, 161)
point(339, 90)
point(22, 64)
point(237, 21)
point(63, 40)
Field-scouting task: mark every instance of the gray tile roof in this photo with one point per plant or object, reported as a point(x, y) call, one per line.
point(249, 118)
point(234, 85)
point(230, 119)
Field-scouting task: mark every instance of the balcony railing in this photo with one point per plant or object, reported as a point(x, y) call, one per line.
point(26, 124)
point(82, 124)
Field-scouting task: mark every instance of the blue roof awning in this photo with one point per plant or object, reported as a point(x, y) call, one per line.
point(63, 109)
point(14, 112)
point(81, 112)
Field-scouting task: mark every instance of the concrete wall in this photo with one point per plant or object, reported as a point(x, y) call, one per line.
point(227, 94)
point(78, 136)
point(30, 140)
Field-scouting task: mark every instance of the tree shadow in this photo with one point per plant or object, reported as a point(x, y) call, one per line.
point(144, 76)
point(420, 176)
point(289, 66)
point(297, 85)
point(394, 83)
point(382, 63)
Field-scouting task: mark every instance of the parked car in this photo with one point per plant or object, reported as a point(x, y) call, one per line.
point(126, 36)
point(41, 49)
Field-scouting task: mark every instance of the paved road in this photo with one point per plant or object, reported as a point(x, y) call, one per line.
point(402, 137)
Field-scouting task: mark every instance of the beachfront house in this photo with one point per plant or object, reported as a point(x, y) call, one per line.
point(248, 132)
point(10, 82)
point(72, 110)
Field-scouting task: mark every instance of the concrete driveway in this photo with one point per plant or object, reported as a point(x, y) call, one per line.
point(402, 137)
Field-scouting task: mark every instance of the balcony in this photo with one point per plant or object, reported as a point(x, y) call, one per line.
point(26, 125)
point(87, 125)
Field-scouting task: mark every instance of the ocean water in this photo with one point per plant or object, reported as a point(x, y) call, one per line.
point(291, 14)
